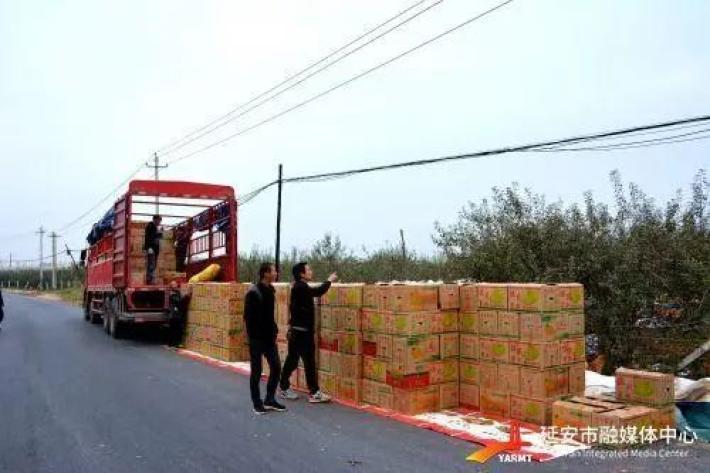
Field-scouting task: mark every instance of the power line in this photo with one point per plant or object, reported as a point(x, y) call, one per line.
point(341, 84)
point(636, 144)
point(498, 151)
point(228, 118)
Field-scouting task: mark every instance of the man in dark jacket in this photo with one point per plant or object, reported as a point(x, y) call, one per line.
point(151, 246)
point(259, 305)
point(301, 342)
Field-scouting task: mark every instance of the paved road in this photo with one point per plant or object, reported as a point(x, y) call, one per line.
point(74, 400)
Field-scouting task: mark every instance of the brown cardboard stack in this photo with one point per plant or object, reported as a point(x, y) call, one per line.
point(523, 347)
point(340, 342)
point(165, 267)
point(411, 348)
point(215, 322)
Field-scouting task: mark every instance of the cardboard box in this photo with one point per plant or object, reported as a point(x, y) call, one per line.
point(578, 411)
point(413, 297)
point(545, 384)
point(350, 342)
point(664, 417)
point(448, 296)
point(469, 346)
point(327, 340)
point(495, 403)
point(539, 355)
point(468, 322)
point(450, 321)
point(575, 324)
point(369, 344)
point(369, 391)
point(449, 345)
point(533, 297)
point(488, 373)
point(639, 416)
point(508, 324)
point(327, 318)
point(577, 375)
point(350, 295)
point(572, 350)
point(645, 387)
point(488, 323)
point(448, 396)
point(370, 296)
point(410, 354)
point(494, 349)
point(469, 396)
point(492, 296)
point(408, 381)
point(570, 296)
point(417, 401)
point(533, 411)
point(508, 378)
point(444, 371)
point(374, 369)
point(350, 366)
point(349, 389)
point(324, 357)
point(349, 319)
point(469, 372)
point(543, 327)
point(409, 323)
point(468, 298)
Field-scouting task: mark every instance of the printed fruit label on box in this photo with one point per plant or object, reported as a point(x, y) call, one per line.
point(533, 411)
point(543, 327)
point(413, 298)
point(410, 323)
point(572, 350)
point(350, 319)
point(541, 355)
point(488, 322)
point(492, 349)
point(469, 372)
point(469, 346)
point(571, 296)
point(468, 322)
point(544, 384)
point(374, 369)
point(350, 343)
point(493, 296)
point(450, 321)
point(533, 297)
point(509, 324)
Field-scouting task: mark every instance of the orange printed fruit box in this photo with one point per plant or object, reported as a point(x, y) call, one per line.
point(349, 319)
point(488, 323)
point(508, 324)
point(374, 369)
point(533, 411)
point(543, 327)
point(493, 349)
point(350, 342)
point(350, 366)
point(638, 416)
point(577, 378)
point(377, 321)
point(540, 355)
point(570, 296)
point(469, 346)
point(410, 323)
point(327, 318)
point(469, 372)
point(449, 345)
point(578, 411)
point(488, 373)
point(575, 324)
point(645, 387)
point(410, 353)
point(468, 322)
point(350, 295)
point(533, 297)
point(370, 296)
point(572, 350)
point(324, 358)
point(349, 389)
point(508, 378)
point(468, 298)
point(448, 296)
point(492, 296)
point(549, 383)
point(417, 401)
point(327, 382)
point(444, 371)
point(469, 395)
point(413, 297)
point(496, 403)
point(448, 396)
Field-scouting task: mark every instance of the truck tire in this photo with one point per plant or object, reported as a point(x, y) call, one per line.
point(87, 307)
point(116, 328)
point(107, 315)
point(93, 317)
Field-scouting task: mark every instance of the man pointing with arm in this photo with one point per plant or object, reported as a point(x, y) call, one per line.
point(301, 333)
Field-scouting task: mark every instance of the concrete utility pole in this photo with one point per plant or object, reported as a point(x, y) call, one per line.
point(54, 237)
point(41, 233)
point(278, 223)
point(156, 174)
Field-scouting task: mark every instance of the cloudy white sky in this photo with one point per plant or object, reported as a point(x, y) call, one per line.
point(89, 89)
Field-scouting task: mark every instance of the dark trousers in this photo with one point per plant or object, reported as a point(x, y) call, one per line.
point(301, 345)
point(267, 349)
point(151, 261)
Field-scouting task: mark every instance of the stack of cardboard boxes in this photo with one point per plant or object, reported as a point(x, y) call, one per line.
point(411, 347)
point(340, 342)
point(522, 348)
point(215, 322)
point(643, 400)
point(165, 267)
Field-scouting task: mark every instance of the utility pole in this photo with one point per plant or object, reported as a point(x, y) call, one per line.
point(278, 222)
point(10, 261)
point(404, 248)
point(156, 174)
point(54, 237)
point(41, 233)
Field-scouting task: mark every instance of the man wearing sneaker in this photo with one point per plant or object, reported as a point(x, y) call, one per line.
point(301, 342)
point(259, 304)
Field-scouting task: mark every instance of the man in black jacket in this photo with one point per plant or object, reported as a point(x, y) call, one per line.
point(301, 342)
point(151, 246)
point(259, 304)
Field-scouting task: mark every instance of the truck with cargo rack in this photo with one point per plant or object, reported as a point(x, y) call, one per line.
point(198, 218)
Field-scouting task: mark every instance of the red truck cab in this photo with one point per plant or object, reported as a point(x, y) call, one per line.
point(199, 228)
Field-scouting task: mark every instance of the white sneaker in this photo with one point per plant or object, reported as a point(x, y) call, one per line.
point(288, 394)
point(318, 397)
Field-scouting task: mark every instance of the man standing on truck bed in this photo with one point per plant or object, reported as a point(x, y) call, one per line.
point(151, 246)
point(301, 332)
point(259, 305)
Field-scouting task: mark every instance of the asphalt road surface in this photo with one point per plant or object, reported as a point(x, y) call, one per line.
point(74, 400)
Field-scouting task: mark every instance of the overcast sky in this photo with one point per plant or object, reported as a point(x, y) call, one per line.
point(89, 89)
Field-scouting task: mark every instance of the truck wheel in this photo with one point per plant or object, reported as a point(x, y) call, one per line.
point(107, 315)
point(93, 317)
point(87, 307)
point(116, 328)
